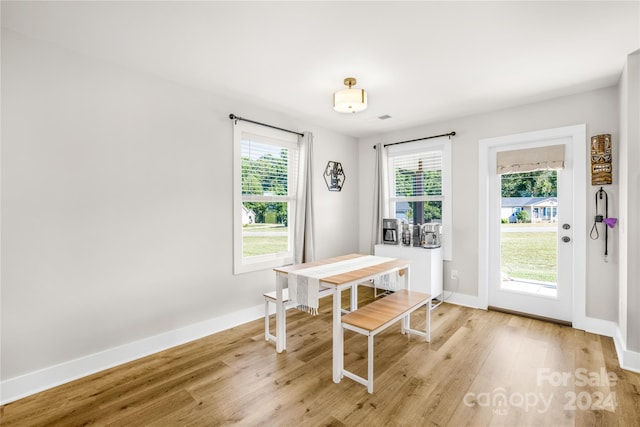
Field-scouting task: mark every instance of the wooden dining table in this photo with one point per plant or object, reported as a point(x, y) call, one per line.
point(375, 267)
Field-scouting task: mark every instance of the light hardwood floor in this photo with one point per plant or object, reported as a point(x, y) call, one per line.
point(481, 368)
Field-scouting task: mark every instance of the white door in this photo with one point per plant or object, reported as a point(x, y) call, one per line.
point(512, 290)
point(533, 270)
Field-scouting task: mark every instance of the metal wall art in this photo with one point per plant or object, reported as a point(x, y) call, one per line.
point(334, 176)
point(601, 159)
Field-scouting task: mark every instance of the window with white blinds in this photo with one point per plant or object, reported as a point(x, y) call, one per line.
point(418, 174)
point(420, 184)
point(264, 208)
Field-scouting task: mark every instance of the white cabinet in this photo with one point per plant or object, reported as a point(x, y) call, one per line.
point(426, 266)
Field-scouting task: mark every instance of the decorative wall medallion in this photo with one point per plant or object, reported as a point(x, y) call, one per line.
point(601, 160)
point(334, 176)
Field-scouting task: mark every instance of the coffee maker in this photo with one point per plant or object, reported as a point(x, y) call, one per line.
point(391, 231)
point(431, 235)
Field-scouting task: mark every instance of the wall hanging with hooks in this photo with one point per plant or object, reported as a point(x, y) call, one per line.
point(602, 202)
point(601, 174)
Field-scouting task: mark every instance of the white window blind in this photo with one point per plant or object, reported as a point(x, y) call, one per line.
point(267, 168)
point(418, 174)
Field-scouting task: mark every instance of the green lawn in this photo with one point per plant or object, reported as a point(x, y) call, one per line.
point(255, 244)
point(531, 256)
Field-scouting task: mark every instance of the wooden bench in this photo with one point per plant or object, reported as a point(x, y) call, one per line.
point(270, 298)
point(378, 316)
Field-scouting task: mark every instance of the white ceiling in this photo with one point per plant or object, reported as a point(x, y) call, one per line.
point(419, 61)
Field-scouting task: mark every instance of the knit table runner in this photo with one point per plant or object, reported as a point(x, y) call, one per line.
point(304, 284)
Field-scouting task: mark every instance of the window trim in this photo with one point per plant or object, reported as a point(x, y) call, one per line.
point(243, 264)
point(443, 144)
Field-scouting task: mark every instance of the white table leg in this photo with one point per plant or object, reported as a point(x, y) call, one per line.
point(406, 321)
point(281, 322)
point(354, 298)
point(338, 359)
point(404, 325)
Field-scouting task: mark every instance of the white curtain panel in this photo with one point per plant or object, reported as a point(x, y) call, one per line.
point(380, 195)
point(304, 242)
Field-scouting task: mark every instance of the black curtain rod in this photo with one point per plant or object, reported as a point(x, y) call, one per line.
point(234, 117)
point(450, 134)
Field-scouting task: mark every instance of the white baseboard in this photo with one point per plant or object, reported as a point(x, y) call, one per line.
point(629, 360)
point(463, 299)
point(34, 382)
point(596, 326)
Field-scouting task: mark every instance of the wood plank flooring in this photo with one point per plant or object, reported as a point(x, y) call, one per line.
point(481, 368)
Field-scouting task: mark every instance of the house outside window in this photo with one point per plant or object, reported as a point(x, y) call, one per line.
point(420, 185)
point(265, 167)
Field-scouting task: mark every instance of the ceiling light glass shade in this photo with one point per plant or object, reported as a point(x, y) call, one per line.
point(350, 100)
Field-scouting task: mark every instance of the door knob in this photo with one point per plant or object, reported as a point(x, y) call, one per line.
point(566, 226)
point(566, 239)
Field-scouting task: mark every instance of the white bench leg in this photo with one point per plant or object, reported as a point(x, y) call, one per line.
point(266, 320)
point(370, 364)
point(428, 332)
point(281, 315)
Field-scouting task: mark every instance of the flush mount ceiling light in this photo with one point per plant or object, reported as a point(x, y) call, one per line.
point(350, 100)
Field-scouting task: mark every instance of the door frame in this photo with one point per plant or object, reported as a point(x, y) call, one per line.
point(490, 256)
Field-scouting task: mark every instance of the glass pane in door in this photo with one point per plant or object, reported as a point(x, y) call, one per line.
point(529, 233)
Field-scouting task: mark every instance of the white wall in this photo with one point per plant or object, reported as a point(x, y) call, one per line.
point(117, 206)
point(597, 109)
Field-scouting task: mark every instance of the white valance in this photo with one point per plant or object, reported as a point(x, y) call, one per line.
point(550, 157)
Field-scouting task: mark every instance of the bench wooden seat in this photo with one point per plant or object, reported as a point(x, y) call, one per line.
point(379, 315)
point(270, 298)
